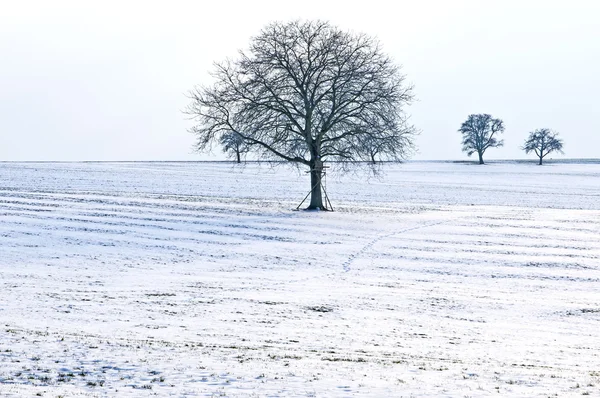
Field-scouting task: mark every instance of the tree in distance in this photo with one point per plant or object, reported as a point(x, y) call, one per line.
point(480, 133)
point(306, 93)
point(234, 145)
point(543, 142)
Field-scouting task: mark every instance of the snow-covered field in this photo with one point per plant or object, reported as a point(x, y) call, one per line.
point(198, 279)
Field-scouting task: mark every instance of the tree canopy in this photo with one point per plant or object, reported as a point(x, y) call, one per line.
point(543, 142)
point(308, 92)
point(480, 132)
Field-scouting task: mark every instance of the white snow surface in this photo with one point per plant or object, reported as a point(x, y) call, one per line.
point(199, 279)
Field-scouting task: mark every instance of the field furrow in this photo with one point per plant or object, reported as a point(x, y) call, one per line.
point(200, 280)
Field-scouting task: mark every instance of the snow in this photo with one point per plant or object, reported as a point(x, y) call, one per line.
point(199, 279)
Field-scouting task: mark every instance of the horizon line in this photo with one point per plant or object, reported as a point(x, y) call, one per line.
point(520, 160)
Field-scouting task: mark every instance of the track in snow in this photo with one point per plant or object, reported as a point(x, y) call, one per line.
point(123, 291)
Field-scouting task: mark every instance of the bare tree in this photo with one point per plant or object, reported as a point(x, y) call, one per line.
point(308, 92)
point(480, 133)
point(542, 142)
point(379, 148)
point(234, 145)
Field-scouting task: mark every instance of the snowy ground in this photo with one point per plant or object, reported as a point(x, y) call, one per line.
point(197, 279)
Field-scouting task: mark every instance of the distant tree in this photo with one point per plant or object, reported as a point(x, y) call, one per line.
point(543, 142)
point(480, 133)
point(377, 149)
point(234, 145)
point(308, 92)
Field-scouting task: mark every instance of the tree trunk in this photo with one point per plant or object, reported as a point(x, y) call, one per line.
point(316, 196)
point(540, 163)
point(237, 153)
point(480, 157)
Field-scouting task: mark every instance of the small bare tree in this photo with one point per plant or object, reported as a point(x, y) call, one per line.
point(543, 142)
point(480, 132)
point(308, 92)
point(379, 148)
point(234, 145)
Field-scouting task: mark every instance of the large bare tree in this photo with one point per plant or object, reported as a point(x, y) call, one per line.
point(480, 132)
point(543, 142)
point(308, 92)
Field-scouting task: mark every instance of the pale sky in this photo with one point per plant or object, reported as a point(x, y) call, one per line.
point(106, 80)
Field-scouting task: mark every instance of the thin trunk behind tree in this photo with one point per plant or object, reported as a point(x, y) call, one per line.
point(316, 196)
point(237, 152)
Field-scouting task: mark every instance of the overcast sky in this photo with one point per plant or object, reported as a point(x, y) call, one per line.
point(106, 80)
